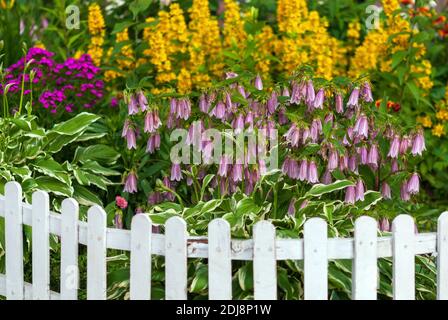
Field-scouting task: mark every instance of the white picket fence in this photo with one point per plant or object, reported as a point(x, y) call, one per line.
point(264, 249)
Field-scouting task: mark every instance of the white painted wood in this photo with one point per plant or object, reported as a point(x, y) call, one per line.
point(442, 257)
point(28, 290)
point(219, 260)
point(403, 258)
point(96, 254)
point(403, 246)
point(365, 267)
point(175, 259)
point(69, 250)
point(14, 241)
point(315, 260)
point(287, 249)
point(140, 282)
point(41, 246)
point(265, 266)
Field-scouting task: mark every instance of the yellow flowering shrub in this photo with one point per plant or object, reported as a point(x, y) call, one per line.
point(376, 52)
point(125, 59)
point(305, 39)
point(233, 30)
point(368, 54)
point(205, 44)
point(266, 41)
point(354, 31)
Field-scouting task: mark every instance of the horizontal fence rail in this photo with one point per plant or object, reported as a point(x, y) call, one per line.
point(177, 246)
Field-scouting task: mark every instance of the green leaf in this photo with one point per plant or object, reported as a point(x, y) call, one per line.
point(422, 36)
point(85, 197)
point(53, 169)
point(208, 178)
point(99, 152)
point(98, 181)
point(398, 57)
point(86, 136)
point(38, 133)
point(319, 189)
point(95, 167)
point(246, 277)
point(245, 206)
point(370, 199)
point(310, 149)
point(76, 124)
point(56, 143)
point(200, 280)
point(414, 90)
point(210, 206)
point(139, 6)
point(21, 171)
point(120, 26)
point(80, 176)
point(53, 185)
point(21, 123)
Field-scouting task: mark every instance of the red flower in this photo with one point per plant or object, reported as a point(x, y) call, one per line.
point(121, 202)
point(440, 20)
point(407, 2)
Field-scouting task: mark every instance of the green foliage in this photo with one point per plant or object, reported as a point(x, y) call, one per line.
point(35, 157)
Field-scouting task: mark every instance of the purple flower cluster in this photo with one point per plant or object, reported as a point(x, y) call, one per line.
point(68, 86)
point(138, 104)
point(324, 139)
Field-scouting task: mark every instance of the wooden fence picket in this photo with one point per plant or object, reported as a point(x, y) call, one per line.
point(140, 277)
point(403, 233)
point(442, 257)
point(265, 265)
point(41, 245)
point(69, 250)
point(96, 254)
point(219, 260)
point(175, 259)
point(365, 267)
point(315, 260)
point(14, 241)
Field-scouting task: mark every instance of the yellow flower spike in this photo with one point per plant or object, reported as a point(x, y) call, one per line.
point(233, 24)
point(306, 39)
point(96, 28)
point(354, 31)
point(205, 44)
